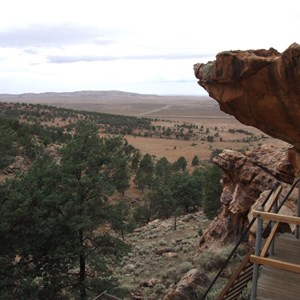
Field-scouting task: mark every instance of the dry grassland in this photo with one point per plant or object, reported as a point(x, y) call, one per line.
point(165, 111)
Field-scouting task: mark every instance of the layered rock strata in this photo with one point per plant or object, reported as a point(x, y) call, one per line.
point(260, 88)
point(246, 176)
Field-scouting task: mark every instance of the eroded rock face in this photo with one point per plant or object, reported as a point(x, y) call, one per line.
point(260, 88)
point(246, 176)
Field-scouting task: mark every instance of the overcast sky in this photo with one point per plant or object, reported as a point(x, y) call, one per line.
point(144, 46)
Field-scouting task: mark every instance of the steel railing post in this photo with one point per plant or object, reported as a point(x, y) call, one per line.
point(272, 248)
point(297, 234)
point(257, 253)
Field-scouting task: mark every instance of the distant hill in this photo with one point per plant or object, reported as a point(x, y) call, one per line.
point(124, 103)
point(71, 95)
point(87, 95)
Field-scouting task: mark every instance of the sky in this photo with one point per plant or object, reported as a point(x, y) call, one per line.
point(139, 46)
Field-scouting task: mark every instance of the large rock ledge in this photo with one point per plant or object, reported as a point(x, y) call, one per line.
point(260, 88)
point(246, 176)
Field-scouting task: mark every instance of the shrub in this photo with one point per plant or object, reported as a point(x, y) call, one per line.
point(213, 260)
point(200, 231)
point(185, 267)
point(195, 161)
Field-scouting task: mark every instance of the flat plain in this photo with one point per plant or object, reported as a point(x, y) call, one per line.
point(212, 128)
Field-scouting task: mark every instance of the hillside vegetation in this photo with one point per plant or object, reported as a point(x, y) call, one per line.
point(67, 203)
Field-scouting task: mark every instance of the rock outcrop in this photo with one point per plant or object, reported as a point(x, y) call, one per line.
point(186, 287)
point(260, 88)
point(246, 176)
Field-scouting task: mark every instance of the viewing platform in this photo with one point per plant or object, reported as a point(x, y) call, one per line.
point(277, 284)
point(273, 266)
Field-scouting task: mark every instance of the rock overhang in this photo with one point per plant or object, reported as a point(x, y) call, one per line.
point(261, 88)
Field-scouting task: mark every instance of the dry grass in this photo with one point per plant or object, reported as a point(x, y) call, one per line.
point(170, 148)
point(144, 264)
point(177, 110)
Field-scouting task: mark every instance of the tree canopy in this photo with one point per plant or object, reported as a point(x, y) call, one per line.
point(52, 239)
point(49, 219)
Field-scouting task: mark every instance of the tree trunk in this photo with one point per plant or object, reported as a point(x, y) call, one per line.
point(82, 267)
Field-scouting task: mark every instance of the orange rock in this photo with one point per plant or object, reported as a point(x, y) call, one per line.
point(246, 176)
point(260, 88)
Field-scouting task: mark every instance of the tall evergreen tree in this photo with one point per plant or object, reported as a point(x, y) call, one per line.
point(162, 203)
point(88, 167)
point(49, 218)
point(121, 174)
point(163, 169)
point(180, 164)
point(187, 189)
point(195, 161)
point(120, 218)
point(7, 145)
point(145, 172)
point(32, 230)
point(212, 192)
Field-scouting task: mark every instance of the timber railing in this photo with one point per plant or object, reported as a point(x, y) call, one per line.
point(242, 238)
point(239, 280)
point(261, 259)
point(260, 256)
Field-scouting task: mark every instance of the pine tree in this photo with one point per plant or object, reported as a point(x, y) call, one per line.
point(144, 175)
point(88, 164)
point(180, 164)
point(49, 218)
point(7, 146)
point(187, 190)
point(212, 192)
point(195, 161)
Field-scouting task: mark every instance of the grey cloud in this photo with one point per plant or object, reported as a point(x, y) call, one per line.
point(30, 51)
point(56, 36)
point(61, 59)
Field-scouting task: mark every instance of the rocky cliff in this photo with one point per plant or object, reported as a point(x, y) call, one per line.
point(260, 88)
point(246, 176)
point(247, 179)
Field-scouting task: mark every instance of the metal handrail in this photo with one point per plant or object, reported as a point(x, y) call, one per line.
point(238, 244)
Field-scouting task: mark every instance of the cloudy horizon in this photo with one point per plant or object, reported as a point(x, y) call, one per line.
point(134, 45)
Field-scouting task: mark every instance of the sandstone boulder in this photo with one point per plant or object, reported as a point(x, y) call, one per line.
point(186, 287)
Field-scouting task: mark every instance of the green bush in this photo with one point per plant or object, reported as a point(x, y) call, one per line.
point(200, 231)
point(213, 260)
